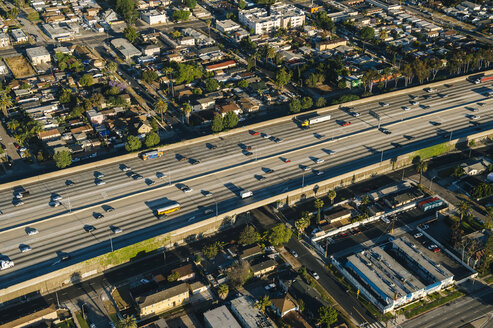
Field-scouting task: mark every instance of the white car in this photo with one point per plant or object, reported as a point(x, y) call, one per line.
point(418, 235)
point(54, 203)
point(56, 198)
point(384, 104)
point(207, 193)
point(318, 172)
point(305, 168)
point(116, 230)
point(475, 117)
point(319, 160)
point(186, 189)
point(406, 108)
point(126, 168)
point(355, 114)
point(413, 102)
point(265, 136)
point(314, 275)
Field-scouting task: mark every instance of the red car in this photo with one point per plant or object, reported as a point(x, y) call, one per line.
point(285, 160)
point(436, 250)
point(346, 123)
point(255, 133)
point(16, 145)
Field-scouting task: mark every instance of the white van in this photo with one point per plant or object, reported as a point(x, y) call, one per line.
point(246, 194)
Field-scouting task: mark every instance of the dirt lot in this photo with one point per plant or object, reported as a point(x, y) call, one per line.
point(20, 67)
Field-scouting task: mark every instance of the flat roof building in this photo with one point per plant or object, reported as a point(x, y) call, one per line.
point(220, 317)
point(126, 49)
point(249, 316)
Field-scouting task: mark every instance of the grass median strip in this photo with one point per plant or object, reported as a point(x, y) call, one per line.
point(433, 304)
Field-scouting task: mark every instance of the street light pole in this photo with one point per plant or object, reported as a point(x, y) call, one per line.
point(111, 242)
point(451, 132)
point(381, 157)
point(431, 182)
point(303, 180)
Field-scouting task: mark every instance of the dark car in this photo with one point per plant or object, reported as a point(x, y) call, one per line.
point(89, 228)
point(98, 216)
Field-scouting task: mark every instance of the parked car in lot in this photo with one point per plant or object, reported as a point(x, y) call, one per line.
point(418, 235)
point(314, 274)
point(292, 252)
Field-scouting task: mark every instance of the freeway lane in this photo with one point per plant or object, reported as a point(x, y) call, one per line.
point(224, 171)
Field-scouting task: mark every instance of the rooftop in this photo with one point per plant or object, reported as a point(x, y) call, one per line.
point(221, 317)
point(251, 316)
point(148, 300)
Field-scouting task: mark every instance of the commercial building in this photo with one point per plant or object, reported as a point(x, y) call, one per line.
point(249, 316)
point(227, 26)
point(395, 276)
point(220, 317)
point(4, 40)
point(153, 17)
point(126, 49)
point(282, 15)
point(18, 35)
point(38, 55)
point(61, 31)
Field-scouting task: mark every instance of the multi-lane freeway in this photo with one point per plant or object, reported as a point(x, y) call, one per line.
point(301, 157)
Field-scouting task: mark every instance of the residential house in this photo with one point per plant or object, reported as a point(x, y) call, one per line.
point(198, 287)
point(229, 106)
point(151, 50)
point(159, 302)
point(284, 304)
point(220, 317)
point(248, 105)
point(220, 66)
point(52, 134)
point(476, 166)
point(203, 104)
point(143, 128)
point(250, 252)
point(109, 16)
point(38, 55)
point(95, 117)
point(330, 44)
point(264, 267)
point(43, 317)
point(337, 214)
point(185, 272)
point(4, 40)
point(80, 129)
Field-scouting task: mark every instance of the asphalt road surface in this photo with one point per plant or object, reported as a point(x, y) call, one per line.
point(224, 171)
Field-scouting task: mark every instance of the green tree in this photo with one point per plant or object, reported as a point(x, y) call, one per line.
point(211, 85)
point(241, 4)
point(458, 171)
point(295, 106)
point(367, 33)
point(320, 102)
point(223, 291)
point(86, 80)
point(239, 273)
point(243, 84)
point(181, 15)
point(13, 125)
point(172, 277)
point(13, 13)
point(161, 106)
point(303, 223)
point(318, 206)
point(127, 9)
point(464, 210)
point(210, 251)
point(65, 96)
point(130, 33)
point(249, 236)
point(327, 315)
point(5, 102)
point(127, 322)
point(191, 3)
point(332, 195)
point(282, 78)
point(217, 123)
point(306, 103)
point(186, 109)
point(152, 139)
point(62, 158)
point(280, 235)
point(186, 73)
point(111, 67)
point(133, 144)
point(230, 120)
point(263, 303)
point(149, 76)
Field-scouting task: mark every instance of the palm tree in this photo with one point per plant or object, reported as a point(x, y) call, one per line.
point(161, 106)
point(303, 223)
point(127, 322)
point(421, 167)
point(5, 102)
point(223, 291)
point(186, 110)
point(464, 210)
point(208, 22)
point(332, 195)
point(318, 205)
point(263, 303)
point(13, 125)
point(168, 70)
